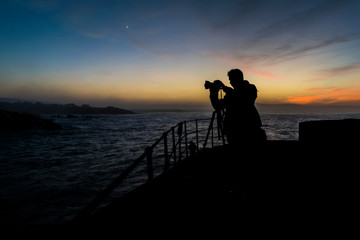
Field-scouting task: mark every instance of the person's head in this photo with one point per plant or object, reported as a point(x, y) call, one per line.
point(236, 77)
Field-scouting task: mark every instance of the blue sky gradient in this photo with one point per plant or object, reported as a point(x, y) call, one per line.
point(158, 53)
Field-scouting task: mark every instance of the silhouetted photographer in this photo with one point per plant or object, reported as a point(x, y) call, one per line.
point(242, 123)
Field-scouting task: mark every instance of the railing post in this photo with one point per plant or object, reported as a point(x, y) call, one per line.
point(174, 143)
point(186, 143)
point(180, 127)
point(149, 152)
point(197, 135)
point(166, 153)
point(212, 136)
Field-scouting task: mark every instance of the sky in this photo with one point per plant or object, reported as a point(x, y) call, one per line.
point(157, 54)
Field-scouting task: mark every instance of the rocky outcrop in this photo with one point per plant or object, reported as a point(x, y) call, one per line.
point(41, 108)
point(25, 121)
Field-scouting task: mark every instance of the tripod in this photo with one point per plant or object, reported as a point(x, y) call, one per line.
point(219, 117)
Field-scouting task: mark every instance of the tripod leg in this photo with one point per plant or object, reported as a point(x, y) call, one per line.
point(220, 126)
point(209, 129)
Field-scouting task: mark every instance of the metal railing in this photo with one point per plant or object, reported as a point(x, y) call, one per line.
point(185, 139)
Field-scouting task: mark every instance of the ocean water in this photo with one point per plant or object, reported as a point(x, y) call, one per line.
point(49, 176)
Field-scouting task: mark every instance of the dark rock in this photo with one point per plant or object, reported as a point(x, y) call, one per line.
point(346, 131)
point(55, 109)
point(24, 121)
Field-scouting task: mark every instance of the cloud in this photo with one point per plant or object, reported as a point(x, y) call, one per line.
point(309, 99)
point(308, 48)
point(288, 30)
point(318, 89)
point(328, 95)
point(331, 72)
point(298, 20)
point(263, 74)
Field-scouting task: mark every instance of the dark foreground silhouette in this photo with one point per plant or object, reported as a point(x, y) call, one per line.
point(25, 121)
point(294, 181)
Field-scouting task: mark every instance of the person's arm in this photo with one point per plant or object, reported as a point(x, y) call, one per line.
point(217, 103)
point(253, 92)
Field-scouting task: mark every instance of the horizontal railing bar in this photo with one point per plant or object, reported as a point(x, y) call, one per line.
point(199, 119)
point(157, 142)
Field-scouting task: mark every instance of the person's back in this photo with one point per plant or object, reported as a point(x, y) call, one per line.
point(242, 119)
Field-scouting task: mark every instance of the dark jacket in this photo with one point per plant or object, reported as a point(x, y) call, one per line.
point(242, 119)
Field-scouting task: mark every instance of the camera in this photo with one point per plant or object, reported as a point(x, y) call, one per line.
point(217, 84)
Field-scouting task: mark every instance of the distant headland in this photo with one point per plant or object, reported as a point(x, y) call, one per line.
point(42, 108)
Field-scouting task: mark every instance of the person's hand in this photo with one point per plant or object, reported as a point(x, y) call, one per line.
point(219, 84)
